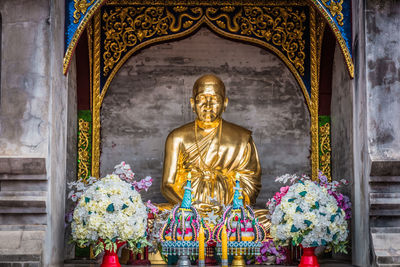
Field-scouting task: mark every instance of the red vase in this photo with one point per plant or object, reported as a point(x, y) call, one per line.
point(110, 258)
point(308, 259)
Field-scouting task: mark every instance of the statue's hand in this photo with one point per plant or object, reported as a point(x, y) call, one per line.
point(206, 208)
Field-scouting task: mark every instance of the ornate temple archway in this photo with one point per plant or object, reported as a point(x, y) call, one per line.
point(292, 30)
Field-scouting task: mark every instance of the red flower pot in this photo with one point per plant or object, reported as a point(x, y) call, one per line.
point(110, 258)
point(308, 259)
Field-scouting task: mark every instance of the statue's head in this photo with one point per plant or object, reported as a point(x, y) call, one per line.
point(208, 100)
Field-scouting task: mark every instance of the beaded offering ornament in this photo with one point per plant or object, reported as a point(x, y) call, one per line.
point(244, 233)
point(180, 235)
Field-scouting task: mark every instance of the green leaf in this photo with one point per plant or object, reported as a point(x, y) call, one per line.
point(335, 237)
point(328, 230)
point(130, 198)
point(87, 199)
point(291, 200)
point(298, 209)
point(317, 204)
point(300, 239)
point(308, 223)
point(303, 193)
point(110, 208)
point(124, 207)
point(333, 218)
point(294, 229)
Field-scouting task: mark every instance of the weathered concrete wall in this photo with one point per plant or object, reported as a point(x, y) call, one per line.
point(24, 77)
point(150, 96)
point(341, 122)
point(342, 127)
point(383, 78)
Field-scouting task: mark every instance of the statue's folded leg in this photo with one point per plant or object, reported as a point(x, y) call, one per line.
point(261, 215)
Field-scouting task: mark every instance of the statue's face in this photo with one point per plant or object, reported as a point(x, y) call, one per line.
point(208, 104)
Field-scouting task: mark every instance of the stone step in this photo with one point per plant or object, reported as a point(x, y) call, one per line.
point(22, 177)
point(16, 200)
point(12, 260)
point(23, 185)
point(12, 202)
point(386, 247)
point(23, 193)
point(10, 165)
point(23, 218)
point(389, 210)
point(384, 179)
point(21, 242)
point(395, 230)
point(384, 199)
point(24, 227)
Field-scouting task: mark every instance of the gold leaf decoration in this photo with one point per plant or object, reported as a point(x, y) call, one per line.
point(127, 27)
point(335, 7)
point(81, 7)
point(83, 147)
point(325, 149)
point(282, 26)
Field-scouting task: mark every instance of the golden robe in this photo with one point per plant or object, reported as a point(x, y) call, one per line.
point(213, 157)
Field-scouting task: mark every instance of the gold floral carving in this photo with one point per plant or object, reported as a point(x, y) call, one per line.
point(282, 26)
point(81, 7)
point(325, 149)
point(314, 95)
point(335, 7)
point(83, 149)
point(96, 98)
point(127, 27)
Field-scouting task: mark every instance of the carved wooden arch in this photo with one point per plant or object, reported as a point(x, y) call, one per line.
point(83, 15)
point(101, 84)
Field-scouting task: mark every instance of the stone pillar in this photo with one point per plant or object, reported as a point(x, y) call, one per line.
point(360, 200)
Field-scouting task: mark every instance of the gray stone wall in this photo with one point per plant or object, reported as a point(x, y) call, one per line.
point(149, 97)
point(341, 122)
point(24, 77)
point(342, 127)
point(383, 78)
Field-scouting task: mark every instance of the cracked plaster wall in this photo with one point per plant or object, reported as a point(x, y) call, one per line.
point(383, 78)
point(24, 77)
point(149, 97)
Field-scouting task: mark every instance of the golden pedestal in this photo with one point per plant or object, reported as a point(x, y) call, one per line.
point(238, 261)
point(155, 258)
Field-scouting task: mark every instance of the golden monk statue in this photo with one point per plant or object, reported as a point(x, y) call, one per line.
point(213, 150)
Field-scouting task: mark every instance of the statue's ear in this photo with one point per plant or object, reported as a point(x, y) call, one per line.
point(192, 103)
point(226, 103)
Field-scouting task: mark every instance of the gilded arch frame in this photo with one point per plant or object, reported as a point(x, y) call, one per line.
point(99, 90)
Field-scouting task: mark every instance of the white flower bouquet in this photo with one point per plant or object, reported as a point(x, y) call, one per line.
point(109, 212)
point(309, 216)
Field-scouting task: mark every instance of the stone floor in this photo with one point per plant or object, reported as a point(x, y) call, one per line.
point(322, 264)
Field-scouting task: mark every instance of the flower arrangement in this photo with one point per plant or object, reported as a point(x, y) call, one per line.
point(110, 211)
point(343, 201)
point(270, 253)
point(308, 215)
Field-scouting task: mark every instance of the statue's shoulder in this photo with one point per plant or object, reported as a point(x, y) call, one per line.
point(182, 131)
point(237, 129)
